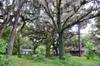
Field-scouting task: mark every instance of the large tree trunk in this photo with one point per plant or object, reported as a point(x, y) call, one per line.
point(61, 46)
point(13, 32)
point(59, 30)
point(11, 41)
point(12, 38)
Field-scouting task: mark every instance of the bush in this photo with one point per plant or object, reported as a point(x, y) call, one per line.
point(90, 50)
point(3, 46)
point(41, 50)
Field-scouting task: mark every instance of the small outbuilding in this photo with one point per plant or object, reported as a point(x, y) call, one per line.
point(26, 51)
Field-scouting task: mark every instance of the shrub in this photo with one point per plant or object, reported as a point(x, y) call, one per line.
point(41, 50)
point(90, 49)
point(3, 46)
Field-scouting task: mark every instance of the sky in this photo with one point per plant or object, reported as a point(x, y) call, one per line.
point(87, 29)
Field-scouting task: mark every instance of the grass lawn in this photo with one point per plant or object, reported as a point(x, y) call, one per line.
point(85, 62)
point(75, 61)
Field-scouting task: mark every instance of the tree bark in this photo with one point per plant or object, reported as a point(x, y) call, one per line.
point(12, 38)
point(61, 46)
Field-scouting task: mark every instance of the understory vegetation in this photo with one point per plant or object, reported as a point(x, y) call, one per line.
point(54, 61)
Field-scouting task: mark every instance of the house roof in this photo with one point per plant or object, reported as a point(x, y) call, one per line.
point(26, 50)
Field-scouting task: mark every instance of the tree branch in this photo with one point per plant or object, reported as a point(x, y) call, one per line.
point(49, 14)
point(81, 20)
point(75, 11)
point(58, 5)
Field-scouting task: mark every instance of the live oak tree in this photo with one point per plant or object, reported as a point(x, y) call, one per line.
point(64, 14)
point(19, 5)
point(11, 14)
point(19, 12)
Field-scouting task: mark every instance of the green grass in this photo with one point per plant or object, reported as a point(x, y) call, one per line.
point(85, 62)
point(73, 61)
